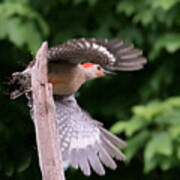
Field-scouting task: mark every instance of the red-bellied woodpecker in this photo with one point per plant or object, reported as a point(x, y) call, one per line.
point(84, 141)
point(85, 144)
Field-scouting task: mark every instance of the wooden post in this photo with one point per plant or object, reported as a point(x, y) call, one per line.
point(44, 116)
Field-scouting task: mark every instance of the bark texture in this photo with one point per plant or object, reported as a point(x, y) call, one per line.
point(44, 116)
point(33, 81)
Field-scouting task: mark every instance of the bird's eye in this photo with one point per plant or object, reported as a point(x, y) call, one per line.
point(99, 68)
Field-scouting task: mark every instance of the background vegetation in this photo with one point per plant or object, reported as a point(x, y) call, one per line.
point(142, 107)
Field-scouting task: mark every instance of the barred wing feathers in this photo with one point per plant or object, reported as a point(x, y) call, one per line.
point(85, 144)
point(113, 54)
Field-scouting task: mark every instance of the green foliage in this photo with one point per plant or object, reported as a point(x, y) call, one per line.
point(156, 15)
point(156, 128)
point(169, 41)
point(152, 128)
point(17, 22)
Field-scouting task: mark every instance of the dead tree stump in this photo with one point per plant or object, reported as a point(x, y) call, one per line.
point(44, 115)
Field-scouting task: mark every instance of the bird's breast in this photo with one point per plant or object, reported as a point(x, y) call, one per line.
point(65, 80)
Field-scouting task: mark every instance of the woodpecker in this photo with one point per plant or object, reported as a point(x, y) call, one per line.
point(85, 144)
point(67, 73)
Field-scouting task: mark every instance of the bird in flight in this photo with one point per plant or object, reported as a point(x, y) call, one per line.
point(85, 143)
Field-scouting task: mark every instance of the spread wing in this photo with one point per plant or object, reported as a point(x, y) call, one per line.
point(113, 54)
point(85, 144)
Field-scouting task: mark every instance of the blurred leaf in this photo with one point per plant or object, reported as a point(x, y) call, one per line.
point(169, 118)
point(118, 127)
point(174, 101)
point(149, 111)
point(7, 10)
point(174, 131)
point(166, 163)
point(129, 127)
point(21, 33)
point(151, 164)
point(135, 143)
point(178, 151)
point(18, 24)
point(160, 144)
point(164, 4)
point(168, 41)
point(145, 16)
point(127, 7)
point(135, 124)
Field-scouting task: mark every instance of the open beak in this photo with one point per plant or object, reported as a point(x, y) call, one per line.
point(109, 72)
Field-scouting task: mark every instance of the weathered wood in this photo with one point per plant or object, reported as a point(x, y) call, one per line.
point(44, 116)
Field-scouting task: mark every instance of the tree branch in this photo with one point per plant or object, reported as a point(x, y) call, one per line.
point(44, 115)
point(34, 79)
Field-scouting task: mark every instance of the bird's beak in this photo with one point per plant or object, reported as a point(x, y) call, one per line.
point(109, 72)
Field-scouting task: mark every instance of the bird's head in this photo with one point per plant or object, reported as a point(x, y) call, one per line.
point(95, 70)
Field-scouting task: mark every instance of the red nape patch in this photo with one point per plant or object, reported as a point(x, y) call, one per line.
point(87, 65)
